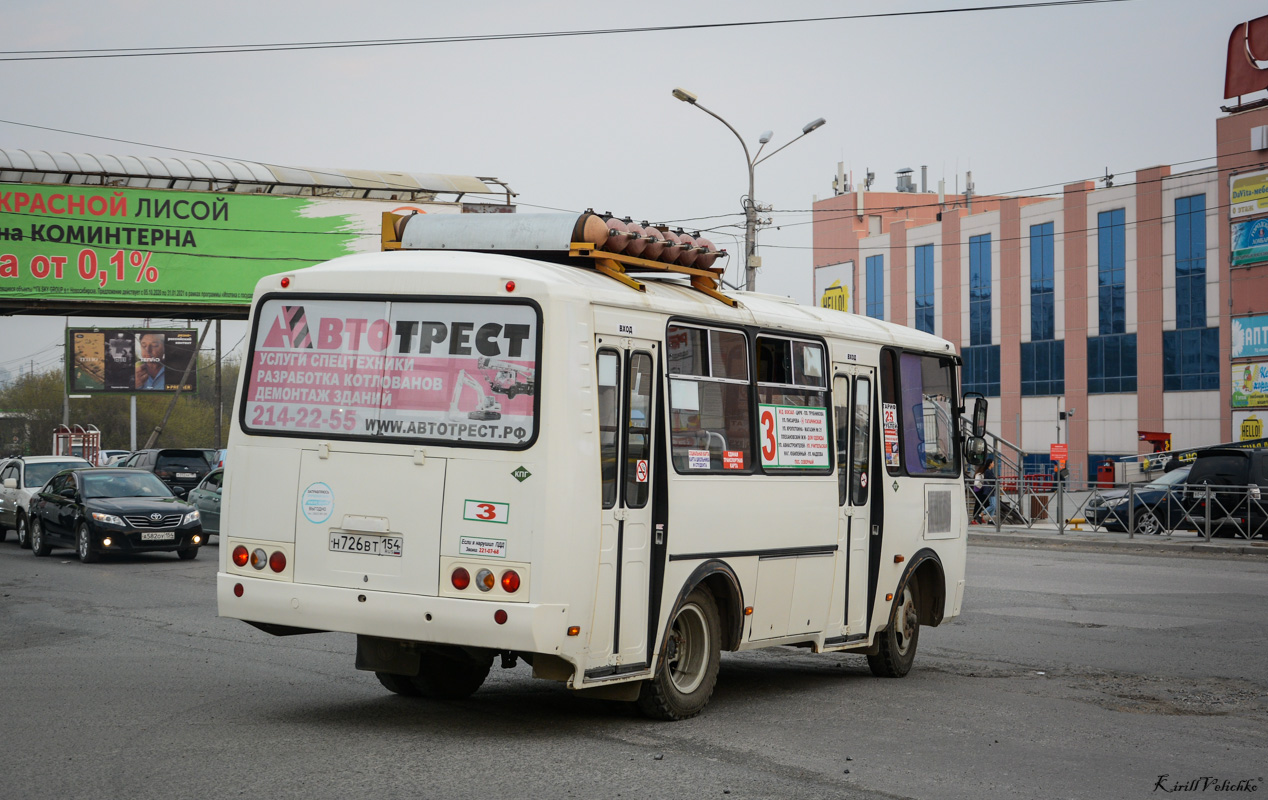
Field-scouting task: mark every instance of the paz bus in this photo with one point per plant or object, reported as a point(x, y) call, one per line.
point(528, 437)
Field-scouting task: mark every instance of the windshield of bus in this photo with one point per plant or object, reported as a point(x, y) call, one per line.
point(411, 372)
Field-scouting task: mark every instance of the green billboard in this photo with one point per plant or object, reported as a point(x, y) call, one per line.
point(107, 244)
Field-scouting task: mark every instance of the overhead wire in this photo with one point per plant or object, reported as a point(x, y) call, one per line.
point(144, 52)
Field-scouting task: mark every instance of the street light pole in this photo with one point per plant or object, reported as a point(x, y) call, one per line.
point(751, 261)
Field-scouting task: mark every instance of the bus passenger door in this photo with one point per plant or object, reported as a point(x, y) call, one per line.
point(853, 389)
point(626, 373)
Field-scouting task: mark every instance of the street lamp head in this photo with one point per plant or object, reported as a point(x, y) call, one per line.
point(685, 96)
point(765, 137)
point(810, 126)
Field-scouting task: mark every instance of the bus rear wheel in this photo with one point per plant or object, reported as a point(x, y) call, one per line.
point(689, 666)
point(398, 684)
point(451, 673)
point(898, 642)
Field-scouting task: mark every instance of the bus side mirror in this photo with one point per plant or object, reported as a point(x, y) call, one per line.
point(975, 451)
point(979, 416)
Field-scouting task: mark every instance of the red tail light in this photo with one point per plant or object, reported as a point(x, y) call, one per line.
point(510, 581)
point(460, 579)
point(241, 556)
point(277, 561)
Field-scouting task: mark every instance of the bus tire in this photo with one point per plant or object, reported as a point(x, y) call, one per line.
point(897, 646)
point(451, 674)
point(399, 684)
point(689, 665)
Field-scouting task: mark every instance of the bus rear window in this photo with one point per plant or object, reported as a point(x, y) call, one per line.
point(394, 371)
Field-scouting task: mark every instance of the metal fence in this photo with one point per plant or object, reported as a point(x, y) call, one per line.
point(1040, 502)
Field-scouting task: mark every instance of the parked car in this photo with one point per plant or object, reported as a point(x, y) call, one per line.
point(20, 479)
point(119, 459)
point(104, 457)
point(1235, 478)
point(180, 469)
point(107, 510)
point(206, 498)
point(1158, 506)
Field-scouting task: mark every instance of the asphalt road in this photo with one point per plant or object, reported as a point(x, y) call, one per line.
point(1070, 675)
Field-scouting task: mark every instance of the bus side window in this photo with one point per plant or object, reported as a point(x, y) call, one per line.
point(889, 414)
point(860, 441)
point(841, 388)
point(710, 424)
point(609, 422)
point(638, 442)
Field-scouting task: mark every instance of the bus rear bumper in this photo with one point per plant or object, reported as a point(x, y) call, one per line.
point(529, 627)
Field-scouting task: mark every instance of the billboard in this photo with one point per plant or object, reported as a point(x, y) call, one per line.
point(1250, 385)
point(130, 360)
point(1248, 194)
point(834, 286)
point(1250, 336)
point(109, 244)
point(1250, 242)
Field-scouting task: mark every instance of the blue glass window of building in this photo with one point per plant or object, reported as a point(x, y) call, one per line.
point(981, 370)
point(1042, 368)
point(1191, 352)
point(1111, 363)
point(876, 287)
point(1112, 271)
point(1043, 357)
point(1191, 360)
point(1042, 283)
point(980, 289)
point(924, 288)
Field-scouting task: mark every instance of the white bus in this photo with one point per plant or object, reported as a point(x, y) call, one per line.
point(460, 455)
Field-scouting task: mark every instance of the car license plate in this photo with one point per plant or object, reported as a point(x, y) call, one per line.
point(187, 475)
point(369, 544)
point(157, 536)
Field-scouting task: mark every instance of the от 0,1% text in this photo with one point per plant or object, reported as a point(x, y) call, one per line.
point(120, 261)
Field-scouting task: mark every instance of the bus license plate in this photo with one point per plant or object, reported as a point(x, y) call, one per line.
point(157, 536)
point(362, 543)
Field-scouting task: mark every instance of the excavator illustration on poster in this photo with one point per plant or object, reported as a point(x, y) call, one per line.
point(507, 379)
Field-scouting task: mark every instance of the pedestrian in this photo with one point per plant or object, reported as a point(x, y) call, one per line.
point(990, 493)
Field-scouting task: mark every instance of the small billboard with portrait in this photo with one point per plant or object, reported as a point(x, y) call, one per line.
point(130, 360)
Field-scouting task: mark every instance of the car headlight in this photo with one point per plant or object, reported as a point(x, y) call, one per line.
point(1116, 502)
point(190, 517)
point(108, 519)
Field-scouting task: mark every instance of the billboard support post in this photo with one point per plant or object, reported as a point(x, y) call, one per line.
point(132, 446)
point(193, 363)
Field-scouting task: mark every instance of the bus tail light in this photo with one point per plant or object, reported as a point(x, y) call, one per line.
point(485, 580)
point(499, 617)
point(460, 579)
point(510, 581)
point(277, 561)
point(241, 556)
point(259, 558)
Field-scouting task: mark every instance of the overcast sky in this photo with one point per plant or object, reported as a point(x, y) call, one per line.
point(1024, 98)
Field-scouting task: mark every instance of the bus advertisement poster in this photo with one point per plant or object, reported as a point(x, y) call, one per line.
point(425, 371)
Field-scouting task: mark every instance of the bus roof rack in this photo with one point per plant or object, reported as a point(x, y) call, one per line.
point(609, 245)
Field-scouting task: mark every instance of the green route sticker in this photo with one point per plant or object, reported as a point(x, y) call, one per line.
point(520, 474)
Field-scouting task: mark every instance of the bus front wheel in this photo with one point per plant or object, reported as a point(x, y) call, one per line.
point(897, 649)
point(689, 665)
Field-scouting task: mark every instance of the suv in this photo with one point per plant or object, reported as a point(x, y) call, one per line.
point(1235, 477)
point(21, 478)
point(180, 469)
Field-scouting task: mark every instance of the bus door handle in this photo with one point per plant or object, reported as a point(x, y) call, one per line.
point(620, 513)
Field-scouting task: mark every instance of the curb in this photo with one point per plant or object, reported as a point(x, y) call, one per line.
point(1140, 544)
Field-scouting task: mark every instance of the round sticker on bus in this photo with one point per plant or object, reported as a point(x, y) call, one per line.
point(317, 503)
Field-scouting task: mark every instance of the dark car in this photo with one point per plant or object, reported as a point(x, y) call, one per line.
point(180, 469)
point(1158, 506)
point(108, 510)
point(1234, 478)
point(206, 498)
